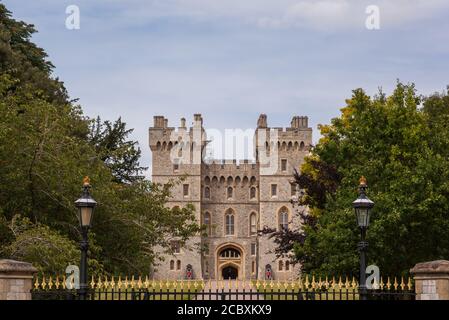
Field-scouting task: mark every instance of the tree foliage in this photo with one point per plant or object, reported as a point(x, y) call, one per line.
point(400, 144)
point(47, 146)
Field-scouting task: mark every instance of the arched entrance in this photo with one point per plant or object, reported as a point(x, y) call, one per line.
point(229, 272)
point(230, 262)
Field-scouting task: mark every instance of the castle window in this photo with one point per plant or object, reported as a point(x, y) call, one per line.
point(207, 193)
point(287, 265)
point(206, 267)
point(283, 164)
point(293, 189)
point(172, 264)
point(253, 224)
point(274, 190)
point(229, 221)
point(185, 190)
point(252, 193)
point(280, 265)
point(253, 267)
point(178, 265)
point(283, 219)
point(230, 192)
point(230, 253)
point(206, 221)
point(253, 249)
point(175, 167)
point(176, 247)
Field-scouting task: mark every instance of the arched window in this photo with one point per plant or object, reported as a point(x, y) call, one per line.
point(281, 265)
point(206, 222)
point(172, 264)
point(253, 224)
point(229, 222)
point(230, 192)
point(252, 193)
point(207, 192)
point(178, 265)
point(230, 253)
point(283, 219)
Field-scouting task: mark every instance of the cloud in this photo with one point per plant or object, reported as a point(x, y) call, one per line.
point(313, 14)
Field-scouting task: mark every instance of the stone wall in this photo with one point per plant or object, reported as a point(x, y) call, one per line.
point(16, 280)
point(431, 280)
point(291, 144)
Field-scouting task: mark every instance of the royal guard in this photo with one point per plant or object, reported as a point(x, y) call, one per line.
point(189, 272)
point(268, 272)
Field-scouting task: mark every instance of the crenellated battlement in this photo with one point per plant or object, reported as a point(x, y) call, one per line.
point(233, 199)
point(161, 135)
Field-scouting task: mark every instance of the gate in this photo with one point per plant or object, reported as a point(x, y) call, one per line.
point(146, 289)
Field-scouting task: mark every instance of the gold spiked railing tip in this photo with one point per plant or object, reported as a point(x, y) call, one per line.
point(36, 283)
point(133, 282)
point(58, 283)
point(402, 285)
point(334, 283)
point(139, 282)
point(112, 283)
point(307, 283)
point(381, 284)
point(313, 284)
point(63, 284)
point(347, 283)
point(388, 283)
point(396, 284)
point(119, 282)
point(43, 284)
point(354, 283)
point(326, 283)
point(409, 283)
point(340, 283)
point(92, 283)
point(147, 282)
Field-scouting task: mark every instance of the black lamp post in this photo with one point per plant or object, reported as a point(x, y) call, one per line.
point(86, 205)
point(362, 208)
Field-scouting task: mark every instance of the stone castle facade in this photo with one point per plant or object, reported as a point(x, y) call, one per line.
point(232, 200)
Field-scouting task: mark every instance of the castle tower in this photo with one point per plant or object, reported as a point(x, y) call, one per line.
point(232, 200)
point(176, 153)
point(279, 151)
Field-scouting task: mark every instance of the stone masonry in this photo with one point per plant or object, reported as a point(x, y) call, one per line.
point(233, 200)
point(16, 279)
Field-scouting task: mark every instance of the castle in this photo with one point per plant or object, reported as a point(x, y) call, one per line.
point(232, 200)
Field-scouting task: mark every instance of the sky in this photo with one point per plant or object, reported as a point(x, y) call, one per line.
point(231, 60)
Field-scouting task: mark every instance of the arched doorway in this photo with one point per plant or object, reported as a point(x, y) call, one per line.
point(229, 272)
point(229, 262)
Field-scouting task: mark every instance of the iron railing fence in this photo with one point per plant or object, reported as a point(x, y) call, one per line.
point(145, 289)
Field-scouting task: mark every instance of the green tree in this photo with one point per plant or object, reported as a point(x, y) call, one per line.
point(46, 148)
point(400, 143)
point(119, 154)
